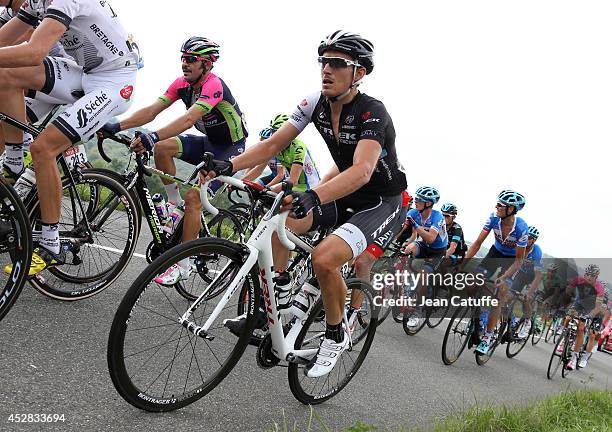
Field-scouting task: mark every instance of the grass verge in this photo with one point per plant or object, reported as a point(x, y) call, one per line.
point(583, 410)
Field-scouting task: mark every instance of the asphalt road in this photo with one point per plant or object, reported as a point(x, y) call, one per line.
point(53, 361)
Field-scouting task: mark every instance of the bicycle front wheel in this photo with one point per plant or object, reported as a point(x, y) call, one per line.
point(312, 391)
point(538, 329)
point(458, 333)
point(98, 227)
point(15, 247)
point(158, 364)
point(556, 360)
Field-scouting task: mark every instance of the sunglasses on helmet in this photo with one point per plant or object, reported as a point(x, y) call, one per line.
point(337, 62)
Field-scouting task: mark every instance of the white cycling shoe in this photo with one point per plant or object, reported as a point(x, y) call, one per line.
point(173, 275)
point(327, 357)
point(584, 360)
point(525, 330)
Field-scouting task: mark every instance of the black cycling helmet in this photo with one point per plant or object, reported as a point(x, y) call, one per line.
point(202, 47)
point(449, 208)
point(362, 50)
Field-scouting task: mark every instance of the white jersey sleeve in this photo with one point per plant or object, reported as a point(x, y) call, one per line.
point(65, 11)
point(5, 16)
point(303, 113)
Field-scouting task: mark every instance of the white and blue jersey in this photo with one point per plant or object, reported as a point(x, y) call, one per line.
point(533, 261)
point(517, 237)
point(435, 221)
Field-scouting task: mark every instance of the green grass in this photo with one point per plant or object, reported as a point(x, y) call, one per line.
point(577, 411)
point(584, 410)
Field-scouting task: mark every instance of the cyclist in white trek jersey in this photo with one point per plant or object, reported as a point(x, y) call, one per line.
point(98, 83)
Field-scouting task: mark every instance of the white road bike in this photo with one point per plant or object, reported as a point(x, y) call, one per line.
point(166, 351)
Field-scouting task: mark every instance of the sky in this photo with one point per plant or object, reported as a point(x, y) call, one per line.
point(484, 95)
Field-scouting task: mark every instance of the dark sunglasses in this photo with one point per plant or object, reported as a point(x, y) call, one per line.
point(447, 215)
point(189, 58)
point(337, 62)
point(500, 205)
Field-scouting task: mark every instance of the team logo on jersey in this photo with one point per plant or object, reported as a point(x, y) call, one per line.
point(304, 103)
point(366, 115)
point(350, 119)
point(126, 92)
point(217, 94)
point(82, 118)
point(308, 168)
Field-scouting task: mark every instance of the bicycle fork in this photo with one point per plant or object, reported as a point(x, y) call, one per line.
point(202, 331)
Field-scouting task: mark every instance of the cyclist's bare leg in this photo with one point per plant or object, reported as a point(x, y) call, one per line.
point(495, 313)
point(413, 249)
point(327, 258)
point(45, 148)
point(579, 337)
point(280, 254)
point(363, 266)
point(193, 210)
point(14, 82)
point(164, 154)
point(593, 339)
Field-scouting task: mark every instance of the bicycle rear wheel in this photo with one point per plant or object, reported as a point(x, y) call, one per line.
point(156, 364)
point(99, 227)
point(514, 344)
point(15, 247)
point(436, 314)
point(460, 329)
point(312, 391)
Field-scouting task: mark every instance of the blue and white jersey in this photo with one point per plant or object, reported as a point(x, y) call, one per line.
point(533, 261)
point(517, 237)
point(435, 221)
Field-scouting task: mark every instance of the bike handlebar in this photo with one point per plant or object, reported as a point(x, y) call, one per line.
point(125, 140)
point(239, 184)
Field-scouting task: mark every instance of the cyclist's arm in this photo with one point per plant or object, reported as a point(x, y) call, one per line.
point(333, 172)
point(475, 247)
point(280, 176)
point(34, 52)
point(429, 236)
point(598, 309)
point(451, 249)
point(182, 123)
point(295, 172)
point(264, 150)
point(254, 172)
point(516, 265)
point(357, 175)
point(144, 115)
point(14, 32)
point(536, 282)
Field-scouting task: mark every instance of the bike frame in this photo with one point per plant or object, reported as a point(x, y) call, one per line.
point(260, 252)
point(35, 131)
